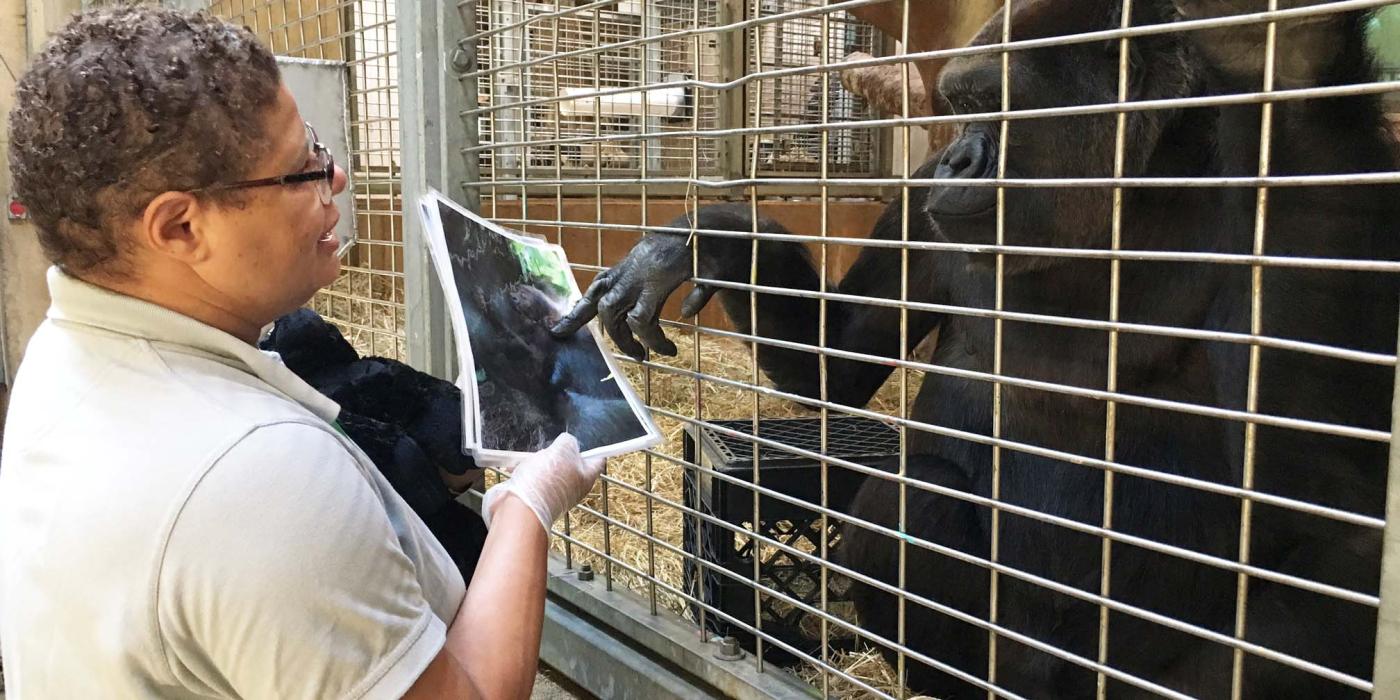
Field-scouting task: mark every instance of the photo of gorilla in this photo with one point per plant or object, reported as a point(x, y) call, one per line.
point(1199, 419)
point(530, 385)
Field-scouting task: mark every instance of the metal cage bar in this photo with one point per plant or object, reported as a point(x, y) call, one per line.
point(596, 122)
point(367, 301)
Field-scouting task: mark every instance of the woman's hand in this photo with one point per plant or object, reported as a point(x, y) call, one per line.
point(549, 482)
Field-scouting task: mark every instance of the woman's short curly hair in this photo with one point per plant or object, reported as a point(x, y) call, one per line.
point(124, 104)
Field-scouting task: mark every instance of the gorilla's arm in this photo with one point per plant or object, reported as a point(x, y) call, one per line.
point(854, 327)
point(628, 298)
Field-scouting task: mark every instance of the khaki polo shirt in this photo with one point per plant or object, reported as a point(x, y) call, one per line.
point(179, 517)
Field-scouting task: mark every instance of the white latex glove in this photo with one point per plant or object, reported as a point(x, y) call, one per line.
point(550, 481)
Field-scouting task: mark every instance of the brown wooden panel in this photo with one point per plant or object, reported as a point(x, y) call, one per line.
point(852, 218)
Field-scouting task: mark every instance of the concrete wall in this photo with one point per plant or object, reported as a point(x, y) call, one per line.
point(24, 25)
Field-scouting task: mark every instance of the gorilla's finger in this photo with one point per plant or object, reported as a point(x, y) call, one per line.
point(622, 336)
point(643, 320)
point(585, 309)
point(616, 303)
point(612, 311)
point(650, 332)
point(697, 299)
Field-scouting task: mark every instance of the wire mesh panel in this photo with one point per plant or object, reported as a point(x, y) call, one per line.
point(791, 525)
point(565, 76)
point(367, 301)
point(804, 41)
point(1132, 333)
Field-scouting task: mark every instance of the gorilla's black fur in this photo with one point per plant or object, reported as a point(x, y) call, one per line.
point(1047, 534)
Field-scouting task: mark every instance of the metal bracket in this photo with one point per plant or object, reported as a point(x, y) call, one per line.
point(593, 658)
point(671, 640)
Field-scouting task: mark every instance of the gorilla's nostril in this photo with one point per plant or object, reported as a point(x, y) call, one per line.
point(968, 158)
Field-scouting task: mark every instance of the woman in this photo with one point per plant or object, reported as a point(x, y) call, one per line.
point(179, 514)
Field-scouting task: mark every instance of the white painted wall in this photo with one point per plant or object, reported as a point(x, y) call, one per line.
point(24, 25)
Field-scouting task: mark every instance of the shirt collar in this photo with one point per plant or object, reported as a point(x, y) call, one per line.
point(76, 301)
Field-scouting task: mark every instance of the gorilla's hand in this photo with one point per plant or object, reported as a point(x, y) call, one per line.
point(628, 297)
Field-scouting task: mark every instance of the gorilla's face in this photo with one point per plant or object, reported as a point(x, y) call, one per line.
point(1052, 147)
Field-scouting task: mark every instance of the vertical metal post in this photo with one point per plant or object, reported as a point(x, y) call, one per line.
point(430, 127)
point(651, 73)
point(1387, 662)
point(902, 610)
point(1256, 327)
point(993, 578)
point(753, 345)
point(731, 49)
point(692, 206)
point(1115, 275)
point(650, 162)
point(509, 87)
point(465, 57)
point(822, 339)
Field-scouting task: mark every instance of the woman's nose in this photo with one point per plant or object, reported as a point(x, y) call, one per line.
point(338, 182)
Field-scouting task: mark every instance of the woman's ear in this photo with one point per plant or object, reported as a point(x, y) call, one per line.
point(169, 226)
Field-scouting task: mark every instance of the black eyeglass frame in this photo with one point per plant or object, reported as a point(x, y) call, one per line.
point(325, 171)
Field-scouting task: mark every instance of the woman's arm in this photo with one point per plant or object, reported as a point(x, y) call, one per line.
point(493, 644)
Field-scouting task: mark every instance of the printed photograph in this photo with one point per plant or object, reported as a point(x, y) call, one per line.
point(531, 386)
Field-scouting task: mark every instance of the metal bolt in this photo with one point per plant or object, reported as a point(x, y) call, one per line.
point(729, 650)
point(585, 572)
point(461, 60)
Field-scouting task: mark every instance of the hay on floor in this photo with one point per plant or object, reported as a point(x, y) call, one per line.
point(367, 307)
point(717, 357)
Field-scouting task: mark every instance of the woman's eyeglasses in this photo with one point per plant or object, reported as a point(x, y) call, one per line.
point(323, 175)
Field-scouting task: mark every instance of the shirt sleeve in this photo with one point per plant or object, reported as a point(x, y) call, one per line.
point(283, 577)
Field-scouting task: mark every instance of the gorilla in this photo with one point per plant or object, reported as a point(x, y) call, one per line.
point(534, 386)
point(1194, 420)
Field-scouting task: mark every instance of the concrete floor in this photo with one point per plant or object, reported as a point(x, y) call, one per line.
point(549, 685)
point(546, 688)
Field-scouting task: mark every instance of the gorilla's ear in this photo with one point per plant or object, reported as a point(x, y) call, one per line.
point(1144, 13)
point(1136, 66)
point(1156, 11)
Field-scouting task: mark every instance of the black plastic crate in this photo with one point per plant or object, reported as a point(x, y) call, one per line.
point(859, 440)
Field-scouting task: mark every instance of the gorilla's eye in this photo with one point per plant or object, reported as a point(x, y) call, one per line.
point(943, 105)
point(959, 98)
